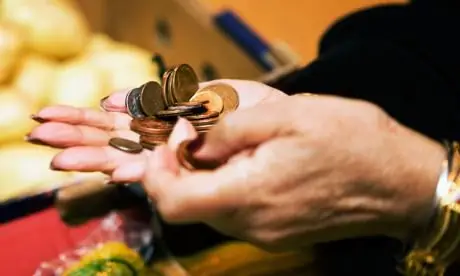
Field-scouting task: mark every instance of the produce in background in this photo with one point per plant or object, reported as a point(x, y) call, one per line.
point(14, 120)
point(11, 48)
point(79, 84)
point(48, 56)
point(112, 259)
point(35, 77)
point(53, 28)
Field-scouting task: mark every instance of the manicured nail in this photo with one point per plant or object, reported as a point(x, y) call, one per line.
point(197, 143)
point(102, 103)
point(54, 168)
point(34, 141)
point(38, 119)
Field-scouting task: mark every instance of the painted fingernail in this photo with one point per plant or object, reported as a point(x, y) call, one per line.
point(34, 141)
point(38, 119)
point(54, 168)
point(102, 103)
point(197, 143)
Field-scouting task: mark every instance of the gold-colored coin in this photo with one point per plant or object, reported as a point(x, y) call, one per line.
point(189, 162)
point(214, 101)
point(184, 83)
point(166, 89)
point(125, 145)
point(228, 95)
point(151, 98)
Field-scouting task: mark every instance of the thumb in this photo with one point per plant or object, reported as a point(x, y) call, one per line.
point(238, 131)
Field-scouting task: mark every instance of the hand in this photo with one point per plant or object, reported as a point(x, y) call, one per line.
point(300, 171)
point(84, 133)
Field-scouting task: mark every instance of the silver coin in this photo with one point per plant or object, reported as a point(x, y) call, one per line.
point(133, 103)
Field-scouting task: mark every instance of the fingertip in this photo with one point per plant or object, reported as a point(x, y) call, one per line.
point(183, 130)
point(116, 100)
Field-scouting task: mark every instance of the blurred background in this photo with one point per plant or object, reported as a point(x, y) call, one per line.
point(75, 52)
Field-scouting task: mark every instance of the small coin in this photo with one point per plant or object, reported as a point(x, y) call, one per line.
point(191, 103)
point(154, 140)
point(151, 126)
point(167, 114)
point(206, 121)
point(125, 145)
point(213, 101)
point(228, 95)
point(186, 159)
point(166, 90)
point(196, 108)
point(185, 83)
point(206, 115)
point(151, 98)
point(133, 105)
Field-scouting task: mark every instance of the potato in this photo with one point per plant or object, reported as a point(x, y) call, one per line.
point(14, 115)
point(35, 77)
point(126, 66)
point(11, 49)
point(52, 28)
point(79, 84)
point(25, 169)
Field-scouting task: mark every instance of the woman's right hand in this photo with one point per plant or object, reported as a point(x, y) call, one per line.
point(84, 133)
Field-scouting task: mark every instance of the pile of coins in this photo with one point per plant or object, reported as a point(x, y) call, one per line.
point(155, 108)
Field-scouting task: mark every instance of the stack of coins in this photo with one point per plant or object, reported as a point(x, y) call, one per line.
point(155, 108)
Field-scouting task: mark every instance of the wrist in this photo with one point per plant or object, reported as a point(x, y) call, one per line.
point(417, 168)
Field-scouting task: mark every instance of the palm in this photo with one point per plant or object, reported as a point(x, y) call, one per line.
point(84, 133)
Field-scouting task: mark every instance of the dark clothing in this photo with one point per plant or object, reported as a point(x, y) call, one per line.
point(406, 59)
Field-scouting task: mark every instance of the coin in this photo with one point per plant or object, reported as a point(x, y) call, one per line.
point(149, 126)
point(165, 89)
point(186, 159)
point(133, 105)
point(205, 121)
point(167, 114)
point(196, 108)
point(185, 83)
point(213, 101)
point(154, 140)
point(125, 145)
point(205, 115)
point(228, 95)
point(151, 98)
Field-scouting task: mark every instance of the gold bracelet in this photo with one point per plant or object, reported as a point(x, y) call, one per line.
point(438, 247)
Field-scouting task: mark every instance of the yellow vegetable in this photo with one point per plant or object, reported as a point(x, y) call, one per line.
point(112, 259)
point(126, 66)
point(52, 28)
point(11, 49)
point(25, 169)
point(79, 84)
point(14, 115)
point(35, 78)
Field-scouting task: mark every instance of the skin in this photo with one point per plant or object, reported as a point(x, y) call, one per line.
point(296, 170)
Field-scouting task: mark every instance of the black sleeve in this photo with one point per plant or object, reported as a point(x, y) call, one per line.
point(405, 59)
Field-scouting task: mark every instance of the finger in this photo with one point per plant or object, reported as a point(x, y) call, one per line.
point(116, 101)
point(61, 135)
point(93, 159)
point(183, 130)
point(129, 172)
point(84, 116)
point(195, 197)
point(242, 130)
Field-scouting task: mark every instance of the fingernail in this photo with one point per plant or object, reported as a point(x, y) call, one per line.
point(53, 168)
point(34, 141)
point(38, 119)
point(196, 143)
point(102, 102)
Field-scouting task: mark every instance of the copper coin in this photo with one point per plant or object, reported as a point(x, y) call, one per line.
point(213, 101)
point(206, 115)
point(151, 124)
point(133, 104)
point(186, 159)
point(166, 91)
point(151, 98)
point(125, 145)
point(154, 139)
point(195, 109)
point(203, 127)
point(150, 146)
point(206, 121)
point(168, 114)
point(228, 95)
point(185, 83)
